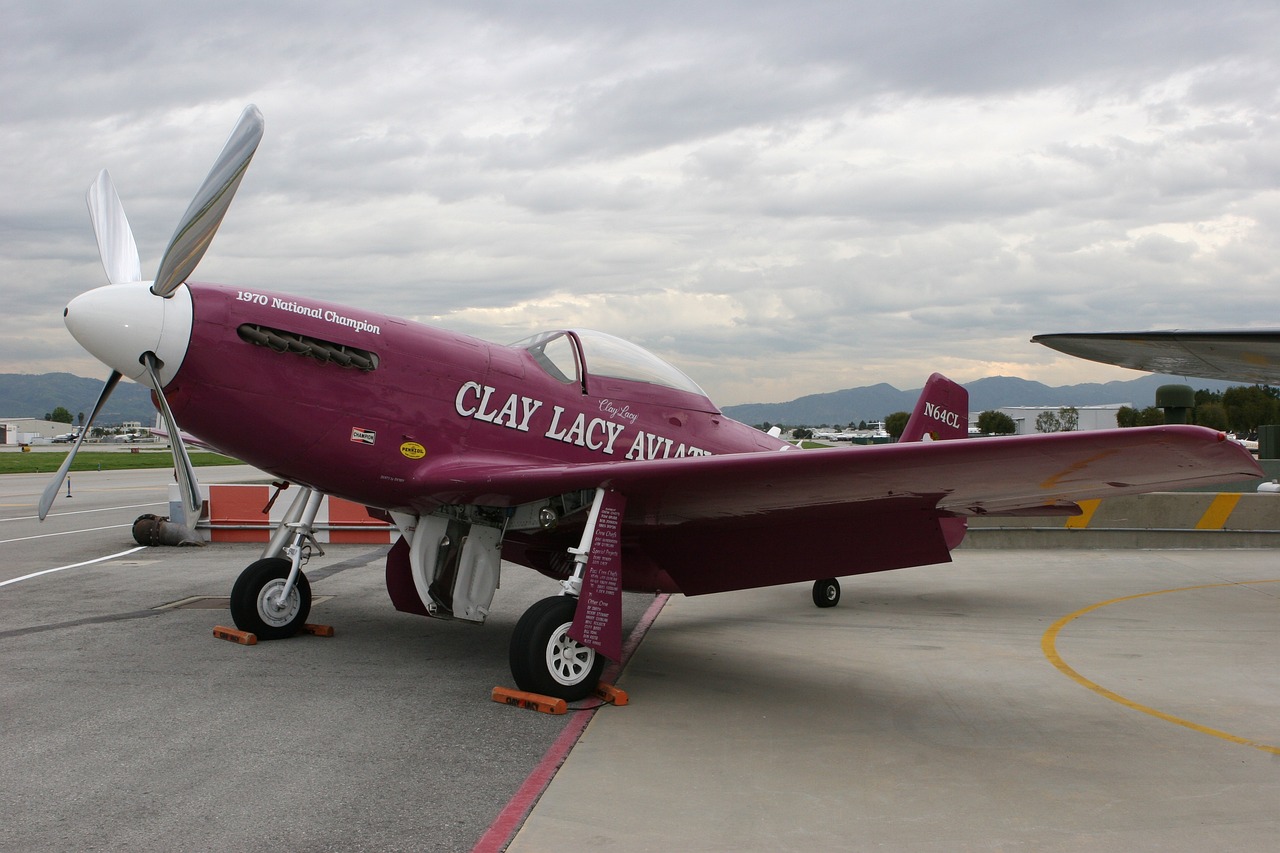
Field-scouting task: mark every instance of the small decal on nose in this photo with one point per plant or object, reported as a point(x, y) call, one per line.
point(360, 435)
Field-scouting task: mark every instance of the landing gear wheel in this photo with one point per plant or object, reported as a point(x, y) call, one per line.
point(826, 592)
point(256, 605)
point(543, 657)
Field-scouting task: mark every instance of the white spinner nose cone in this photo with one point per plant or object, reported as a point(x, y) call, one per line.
point(118, 323)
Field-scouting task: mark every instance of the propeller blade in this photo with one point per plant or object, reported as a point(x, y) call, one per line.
point(116, 245)
point(187, 484)
point(198, 225)
point(51, 490)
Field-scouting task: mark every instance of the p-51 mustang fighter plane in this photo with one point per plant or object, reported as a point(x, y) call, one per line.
point(573, 453)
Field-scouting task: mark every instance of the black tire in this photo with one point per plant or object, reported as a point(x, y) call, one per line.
point(826, 592)
point(253, 611)
point(543, 658)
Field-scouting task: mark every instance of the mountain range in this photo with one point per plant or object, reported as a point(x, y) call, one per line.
point(875, 402)
point(32, 396)
point(25, 395)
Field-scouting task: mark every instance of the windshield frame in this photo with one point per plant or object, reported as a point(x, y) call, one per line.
point(613, 366)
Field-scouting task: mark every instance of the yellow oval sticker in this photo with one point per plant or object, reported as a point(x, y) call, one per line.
point(413, 450)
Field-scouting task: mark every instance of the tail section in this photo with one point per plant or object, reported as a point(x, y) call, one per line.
point(941, 413)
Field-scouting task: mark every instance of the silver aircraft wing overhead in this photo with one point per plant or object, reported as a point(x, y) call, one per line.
point(1245, 355)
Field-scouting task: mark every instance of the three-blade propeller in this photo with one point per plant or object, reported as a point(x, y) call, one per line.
point(119, 253)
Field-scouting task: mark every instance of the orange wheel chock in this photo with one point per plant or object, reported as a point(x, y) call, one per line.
point(235, 635)
point(529, 701)
point(611, 694)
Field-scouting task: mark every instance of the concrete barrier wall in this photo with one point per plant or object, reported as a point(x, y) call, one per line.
point(1158, 520)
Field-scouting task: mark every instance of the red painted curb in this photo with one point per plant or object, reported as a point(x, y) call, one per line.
point(512, 816)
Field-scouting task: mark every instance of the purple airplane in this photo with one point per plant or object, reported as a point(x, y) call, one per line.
point(573, 453)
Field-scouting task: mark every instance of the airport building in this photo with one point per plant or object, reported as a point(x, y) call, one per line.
point(15, 431)
point(1088, 417)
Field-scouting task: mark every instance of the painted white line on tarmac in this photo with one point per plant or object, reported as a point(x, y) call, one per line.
point(83, 511)
point(73, 565)
point(65, 533)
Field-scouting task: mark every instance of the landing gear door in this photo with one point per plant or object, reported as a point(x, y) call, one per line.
point(479, 572)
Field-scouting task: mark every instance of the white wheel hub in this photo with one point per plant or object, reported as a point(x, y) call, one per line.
point(568, 661)
point(272, 610)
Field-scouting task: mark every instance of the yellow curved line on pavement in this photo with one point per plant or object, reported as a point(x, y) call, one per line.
point(1048, 644)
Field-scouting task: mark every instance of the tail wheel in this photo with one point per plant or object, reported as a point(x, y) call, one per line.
point(255, 600)
point(545, 659)
point(826, 592)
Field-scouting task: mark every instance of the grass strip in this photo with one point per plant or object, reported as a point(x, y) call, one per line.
point(47, 463)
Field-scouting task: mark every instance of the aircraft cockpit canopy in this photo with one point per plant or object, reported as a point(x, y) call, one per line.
point(570, 355)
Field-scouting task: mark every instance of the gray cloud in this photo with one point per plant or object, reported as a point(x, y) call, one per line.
point(782, 198)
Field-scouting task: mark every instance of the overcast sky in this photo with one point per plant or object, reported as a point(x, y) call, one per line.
point(781, 198)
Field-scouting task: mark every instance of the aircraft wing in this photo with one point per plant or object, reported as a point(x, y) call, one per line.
point(1024, 475)
point(1243, 355)
point(738, 521)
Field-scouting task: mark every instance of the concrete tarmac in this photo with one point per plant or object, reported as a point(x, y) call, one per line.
point(1012, 700)
point(971, 706)
point(125, 725)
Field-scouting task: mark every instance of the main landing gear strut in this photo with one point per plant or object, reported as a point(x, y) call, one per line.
point(272, 597)
point(544, 658)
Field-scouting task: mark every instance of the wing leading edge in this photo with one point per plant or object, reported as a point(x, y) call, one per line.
point(1242, 356)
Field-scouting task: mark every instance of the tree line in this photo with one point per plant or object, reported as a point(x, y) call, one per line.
point(62, 415)
point(1240, 410)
